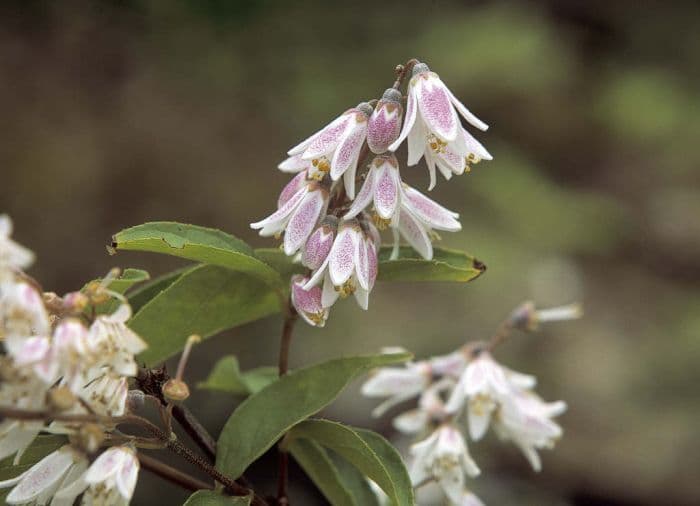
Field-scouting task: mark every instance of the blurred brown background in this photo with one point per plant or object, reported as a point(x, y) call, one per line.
point(115, 113)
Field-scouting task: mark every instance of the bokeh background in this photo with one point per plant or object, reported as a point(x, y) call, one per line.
point(115, 113)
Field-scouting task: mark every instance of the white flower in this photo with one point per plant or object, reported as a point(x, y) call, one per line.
point(402, 207)
point(114, 344)
point(110, 480)
point(526, 420)
point(106, 395)
point(433, 128)
point(485, 384)
point(298, 214)
point(334, 150)
point(12, 255)
point(396, 383)
point(50, 476)
point(431, 409)
point(350, 268)
point(22, 314)
point(443, 456)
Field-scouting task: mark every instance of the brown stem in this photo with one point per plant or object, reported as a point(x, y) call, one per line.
point(402, 71)
point(285, 343)
point(502, 333)
point(171, 474)
point(196, 431)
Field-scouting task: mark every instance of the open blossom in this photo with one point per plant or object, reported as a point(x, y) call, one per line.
point(385, 123)
point(307, 302)
point(12, 255)
point(52, 475)
point(350, 267)
point(111, 479)
point(443, 456)
point(431, 409)
point(298, 215)
point(483, 386)
point(334, 150)
point(526, 420)
point(432, 125)
point(22, 314)
point(402, 207)
point(397, 383)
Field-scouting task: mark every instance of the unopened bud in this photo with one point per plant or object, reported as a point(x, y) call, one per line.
point(385, 123)
point(61, 398)
point(526, 317)
point(175, 390)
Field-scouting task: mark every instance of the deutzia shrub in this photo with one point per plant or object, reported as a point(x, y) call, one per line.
point(78, 370)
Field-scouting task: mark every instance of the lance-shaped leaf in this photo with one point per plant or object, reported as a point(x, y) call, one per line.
point(212, 498)
point(142, 294)
point(226, 376)
point(317, 464)
point(446, 265)
point(206, 245)
point(369, 452)
point(354, 481)
point(40, 448)
point(204, 300)
point(265, 416)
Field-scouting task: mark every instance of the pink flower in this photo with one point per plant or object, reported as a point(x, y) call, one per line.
point(334, 150)
point(351, 266)
point(307, 302)
point(433, 128)
point(385, 123)
point(404, 208)
point(319, 244)
point(298, 214)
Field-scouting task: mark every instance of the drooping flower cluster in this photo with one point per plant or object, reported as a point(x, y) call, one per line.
point(469, 381)
point(59, 362)
point(335, 228)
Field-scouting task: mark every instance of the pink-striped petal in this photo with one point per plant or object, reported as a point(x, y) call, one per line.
point(362, 268)
point(41, 476)
point(475, 147)
point(276, 221)
point(318, 246)
point(304, 220)
point(430, 212)
point(411, 112)
point(435, 106)
point(308, 302)
point(328, 139)
point(385, 123)
point(301, 147)
point(387, 188)
point(372, 263)
point(342, 257)
point(416, 235)
point(348, 150)
point(291, 188)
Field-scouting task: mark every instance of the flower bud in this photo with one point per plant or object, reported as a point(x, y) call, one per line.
point(75, 302)
point(175, 390)
point(526, 317)
point(318, 245)
point(308, 302)
point(385, 123)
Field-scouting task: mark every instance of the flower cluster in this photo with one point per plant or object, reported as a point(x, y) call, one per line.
point(469, 381)
point(58, 361)
point(335, 229)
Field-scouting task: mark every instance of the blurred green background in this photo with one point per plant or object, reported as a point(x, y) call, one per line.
point(115, 113)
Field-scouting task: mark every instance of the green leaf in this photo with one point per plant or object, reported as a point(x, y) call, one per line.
point(211, 498)
point(206, 245)
point(369, 452)
point(264, 417)
point(40, 448)
point(226, 376)
point(446, 265)
point(275, 258)
point(354, 481)
point(142, 294)
point(316, 463)
point(204, 300)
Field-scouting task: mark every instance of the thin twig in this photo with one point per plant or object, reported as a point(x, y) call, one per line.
point(171, 474)
point(195, 430)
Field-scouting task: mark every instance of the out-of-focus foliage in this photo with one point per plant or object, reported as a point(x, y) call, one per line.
point(115, 113)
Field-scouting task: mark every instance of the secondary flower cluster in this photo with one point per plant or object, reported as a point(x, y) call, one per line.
point(469, 380)
point(60, 363)
point(335, 229)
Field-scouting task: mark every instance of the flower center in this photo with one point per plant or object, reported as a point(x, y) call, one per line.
point(379, 222)
point(437, 145)
point(321, 167)
point(347, 288)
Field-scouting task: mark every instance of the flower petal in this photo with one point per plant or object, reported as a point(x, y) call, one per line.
point(364, 197)
point(479, 420)
point(411, 422)
point(106, 465)
point(430, 212)
point(41, 476)
point(466, 113)
point(299, 148)
point(294, 164)
point(416, 142)
point(303, 221)
point(362, 297)
point(279, 218)
point(327, 140)
point(291, 188)
point(411, 112)
point(435, 108)
point(348, 150)
point(127, 476)
point(386, 190)
point(329, 294)
point(384, 125)
point(342, 257)
point(414, 232)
